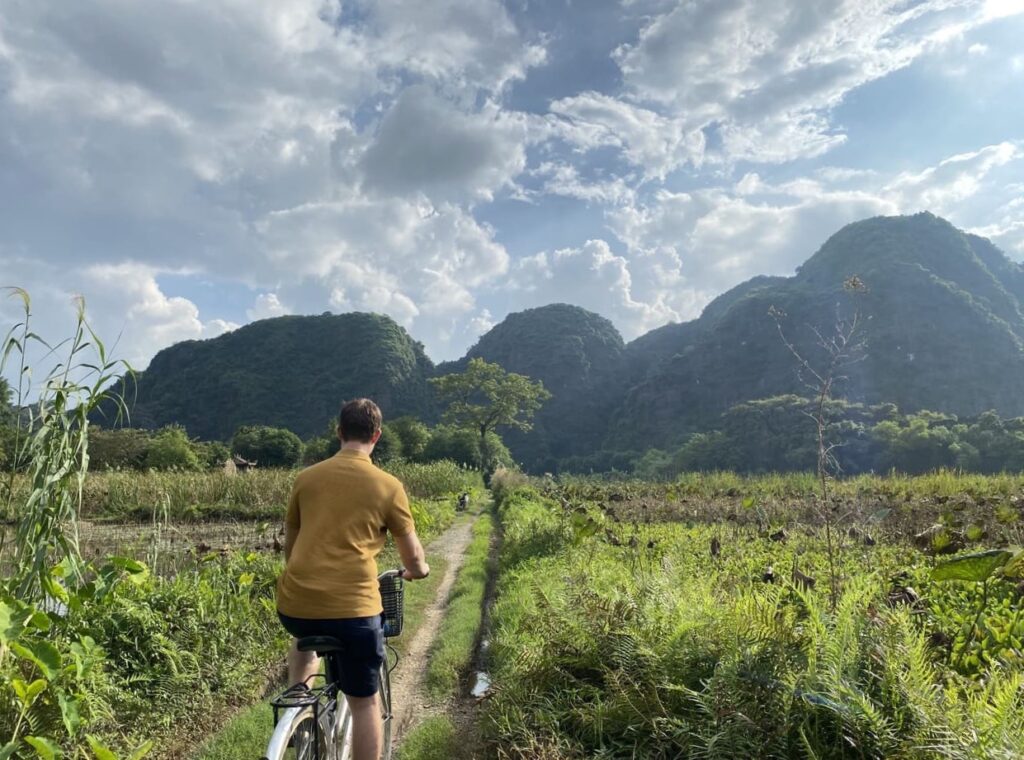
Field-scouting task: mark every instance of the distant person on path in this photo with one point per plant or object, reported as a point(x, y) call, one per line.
point(338, 514)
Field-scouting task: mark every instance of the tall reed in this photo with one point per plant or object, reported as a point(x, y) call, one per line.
point(52, 445)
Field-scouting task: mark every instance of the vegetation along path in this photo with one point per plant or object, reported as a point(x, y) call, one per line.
point(246, 735)
point(409, 696)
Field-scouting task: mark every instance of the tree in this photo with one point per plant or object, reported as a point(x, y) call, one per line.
point(837, 351)
point(211, 454)
point(7, 422)
point(6, 411)
point(120, 449)
point(388, 448)
point(171, 449)
point(267, 446)
point(463, 446)
point(485, 397)
point(415, 436)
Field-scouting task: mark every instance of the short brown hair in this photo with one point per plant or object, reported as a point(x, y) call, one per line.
point(360, 420)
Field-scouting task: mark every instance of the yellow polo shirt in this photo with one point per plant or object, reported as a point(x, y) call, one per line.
point(341, 509)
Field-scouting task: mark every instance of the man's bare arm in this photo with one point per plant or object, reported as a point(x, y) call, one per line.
point(413, 558)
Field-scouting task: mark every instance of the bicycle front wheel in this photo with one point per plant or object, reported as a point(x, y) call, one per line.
point(387, 721)
point(296, 737)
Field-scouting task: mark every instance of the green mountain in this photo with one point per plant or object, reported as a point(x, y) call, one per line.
point(941, 317)
point(578, 356)
point(941, 321)
point(290, 372)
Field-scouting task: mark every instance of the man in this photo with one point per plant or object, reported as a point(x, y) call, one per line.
point(338, 514)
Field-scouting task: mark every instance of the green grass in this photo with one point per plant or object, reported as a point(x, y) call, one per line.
point(638, 640)
point(453, 647)
point(245, 736)
point(433, 739)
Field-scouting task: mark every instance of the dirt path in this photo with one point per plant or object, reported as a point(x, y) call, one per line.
point(411, 702)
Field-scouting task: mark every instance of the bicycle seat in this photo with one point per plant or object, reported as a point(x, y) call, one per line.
point(319, 644)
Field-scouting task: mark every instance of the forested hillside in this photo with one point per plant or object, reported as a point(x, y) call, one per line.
point(289, 372)
point(941, 318)
point(578, 355)
point(941, 324)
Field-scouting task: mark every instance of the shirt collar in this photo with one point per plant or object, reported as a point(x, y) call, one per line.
point(354, 454)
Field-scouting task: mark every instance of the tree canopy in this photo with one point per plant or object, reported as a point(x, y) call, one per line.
point(267, 446)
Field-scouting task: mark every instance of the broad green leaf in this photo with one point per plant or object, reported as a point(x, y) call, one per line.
point(69, 713)
point(101, 752)
point(43, 654)
point(749, 502)
point(45, 748)
point(27, 692)
point(246, 579)
point(55, 589)
point(40, 621)
point(7, 750)
point(971, 567)
point(128, 564)
point(10, 623)
point(141, 751)
point(1014, 568)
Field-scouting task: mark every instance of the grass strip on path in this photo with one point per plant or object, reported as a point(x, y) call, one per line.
point(456, 640)
point(434, 739)
point(245, 736)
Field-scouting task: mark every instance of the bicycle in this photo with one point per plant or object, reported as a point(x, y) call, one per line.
point(315, 724)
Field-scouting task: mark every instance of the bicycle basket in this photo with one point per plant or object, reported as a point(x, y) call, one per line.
point(392, 595)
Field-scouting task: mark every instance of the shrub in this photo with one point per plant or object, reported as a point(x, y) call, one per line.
point(121, 449)
point(267, 446)
point(389, 446)
point(171, 449)
point(463, 446)
point(414, 435)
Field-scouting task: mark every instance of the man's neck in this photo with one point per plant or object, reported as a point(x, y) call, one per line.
point(365, 448)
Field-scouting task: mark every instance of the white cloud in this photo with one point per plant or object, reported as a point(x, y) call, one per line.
point(721, 239)
point(266, 306)
point(767, 72)
point(651, 142)
point(151, 319)
point(124, 304)
point(345, 155)
point(564, 179)
point(458, 43)
point(942, 188)
point(637, 293)
point(724, 236)
point(417, 262)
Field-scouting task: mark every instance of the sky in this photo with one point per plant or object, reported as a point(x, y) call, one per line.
point(191, 166)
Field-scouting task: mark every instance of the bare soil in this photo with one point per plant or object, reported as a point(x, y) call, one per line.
point(409, 696)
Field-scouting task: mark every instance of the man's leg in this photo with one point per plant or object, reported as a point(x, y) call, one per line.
point(366, 728)
point(301, 665)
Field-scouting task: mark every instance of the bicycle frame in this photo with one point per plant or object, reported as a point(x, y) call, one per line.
point(328, 708)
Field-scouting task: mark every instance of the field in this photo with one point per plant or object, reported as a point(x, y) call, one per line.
point(708, 618)
point(713, 616)
point(170, 623)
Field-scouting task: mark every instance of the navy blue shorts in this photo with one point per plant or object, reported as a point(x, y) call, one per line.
point(363, 653)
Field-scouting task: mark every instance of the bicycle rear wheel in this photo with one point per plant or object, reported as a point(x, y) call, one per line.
point(295, 737)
